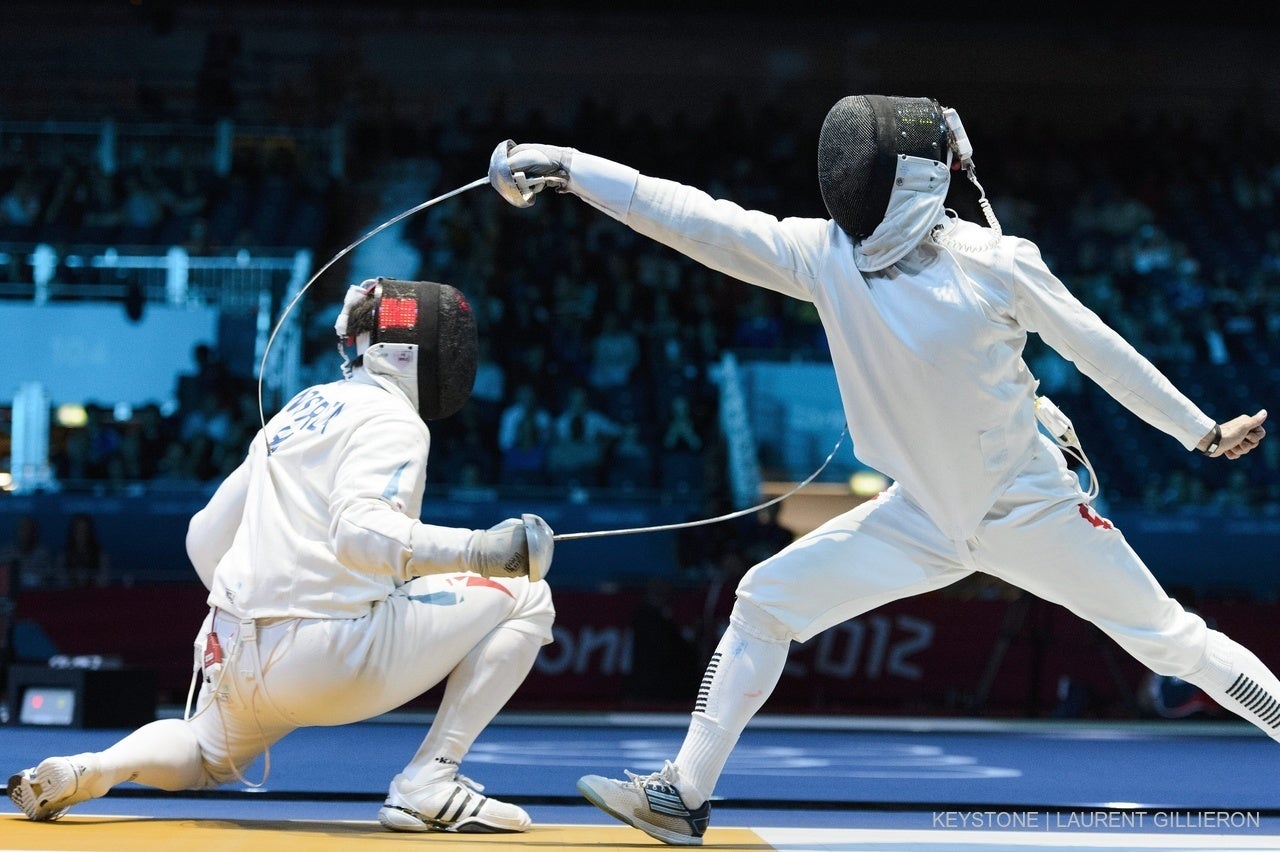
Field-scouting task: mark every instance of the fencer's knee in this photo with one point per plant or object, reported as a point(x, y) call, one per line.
point(754, 621)
point(535, 610)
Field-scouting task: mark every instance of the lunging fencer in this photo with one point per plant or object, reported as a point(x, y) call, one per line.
point(331, 601)
point(927, 316)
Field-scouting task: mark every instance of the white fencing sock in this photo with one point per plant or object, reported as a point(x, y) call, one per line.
point(162, 754)
point(477, 689)
point(739, 679)
point(1233, 676)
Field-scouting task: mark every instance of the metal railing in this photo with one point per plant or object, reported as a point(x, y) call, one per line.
point(262, 283)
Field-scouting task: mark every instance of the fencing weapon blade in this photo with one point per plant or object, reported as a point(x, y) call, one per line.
point(718, 518)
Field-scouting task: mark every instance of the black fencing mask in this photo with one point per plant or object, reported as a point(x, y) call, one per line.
point(417, 321)
point(861, 139)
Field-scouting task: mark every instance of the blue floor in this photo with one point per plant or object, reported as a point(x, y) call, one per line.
point(897, 766)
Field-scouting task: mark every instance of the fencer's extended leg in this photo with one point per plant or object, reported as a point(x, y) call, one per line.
point(162, 754)
point(1067, 554)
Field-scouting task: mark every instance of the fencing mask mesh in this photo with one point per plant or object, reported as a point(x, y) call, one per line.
point(858, 147)
point(432, 322)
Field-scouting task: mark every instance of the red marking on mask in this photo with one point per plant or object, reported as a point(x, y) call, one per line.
point(398, 313)
point(1094, 518)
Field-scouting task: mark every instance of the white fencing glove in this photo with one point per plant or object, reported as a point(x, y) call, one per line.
point(519, 172)
point(517, 547)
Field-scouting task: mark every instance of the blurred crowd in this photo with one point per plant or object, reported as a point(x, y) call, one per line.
point(600, 348)
point(161, 192)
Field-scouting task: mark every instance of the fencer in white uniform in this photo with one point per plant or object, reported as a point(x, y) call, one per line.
point(331, 601)
point(927, 316)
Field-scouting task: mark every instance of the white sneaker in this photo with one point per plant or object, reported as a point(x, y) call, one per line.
point(453, 804)
point(651, 803)
point(45, 792)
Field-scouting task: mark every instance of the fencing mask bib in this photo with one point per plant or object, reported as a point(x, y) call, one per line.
point(861, 139)
point(414, 328)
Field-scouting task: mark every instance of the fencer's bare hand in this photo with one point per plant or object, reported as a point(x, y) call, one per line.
point(1239, 436)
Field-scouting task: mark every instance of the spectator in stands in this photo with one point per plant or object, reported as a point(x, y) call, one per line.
point(580, 438)
point(630, 462)
point(141, 209)
point(175, 465)
point(682, 465)
point(127, 464)
point(155, 433)
point(210, 418)
point(104, 438)
point(62, 214)
point(71, 459)
point(209, 375)
point(490, 386)
point(524, 408)
point(681, 433)
point(102, 214)
point(615, 353)
point(524, 461)
point(30, 564)
point(82, 560)
point(185, 206)
point(20, 209)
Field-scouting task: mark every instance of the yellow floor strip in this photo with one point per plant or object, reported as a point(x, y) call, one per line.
point(146, 834)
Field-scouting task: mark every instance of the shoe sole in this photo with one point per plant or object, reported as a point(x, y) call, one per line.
point(20, 795)
point(668, 837)
point(403, 819)
point(25, 799)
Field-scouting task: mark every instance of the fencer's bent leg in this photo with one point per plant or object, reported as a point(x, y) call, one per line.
point(880, 551)
point(745, 666)
point(478, 688)
point(339, 671)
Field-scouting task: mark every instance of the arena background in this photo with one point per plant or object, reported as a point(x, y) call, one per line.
point(1140, 152)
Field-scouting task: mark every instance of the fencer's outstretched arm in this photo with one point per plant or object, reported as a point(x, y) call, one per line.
point(779, 254)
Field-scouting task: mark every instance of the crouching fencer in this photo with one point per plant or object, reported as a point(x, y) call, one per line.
point(330, 601)
point(927, 316)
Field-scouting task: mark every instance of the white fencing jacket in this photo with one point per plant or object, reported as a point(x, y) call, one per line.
point(328, 521)
point(928, 349)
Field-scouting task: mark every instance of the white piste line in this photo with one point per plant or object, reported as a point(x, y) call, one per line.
point(920, 840)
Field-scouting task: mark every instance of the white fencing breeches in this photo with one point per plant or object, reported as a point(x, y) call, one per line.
point(283, 674)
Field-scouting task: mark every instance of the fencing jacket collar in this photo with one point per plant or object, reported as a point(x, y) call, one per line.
point(399, 379)
point(915, 208)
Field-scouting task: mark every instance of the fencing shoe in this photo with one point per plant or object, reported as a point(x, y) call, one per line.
point(46, 791)
point(650, 803)
point(452, 804)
